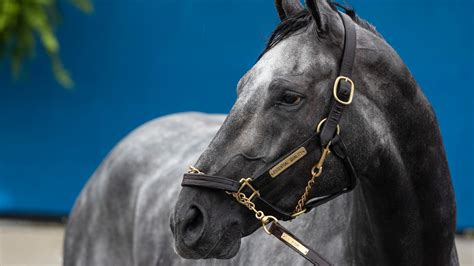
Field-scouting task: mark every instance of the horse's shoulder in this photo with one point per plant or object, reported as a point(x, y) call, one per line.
point(148, 157)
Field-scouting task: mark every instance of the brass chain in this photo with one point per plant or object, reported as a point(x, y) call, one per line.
point(247, 202)
point(316, 171)
point(299, 207)
point(242, 199)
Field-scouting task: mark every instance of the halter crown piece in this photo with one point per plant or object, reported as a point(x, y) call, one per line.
point(326, 139)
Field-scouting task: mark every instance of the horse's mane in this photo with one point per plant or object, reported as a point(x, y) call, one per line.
point(303, 18)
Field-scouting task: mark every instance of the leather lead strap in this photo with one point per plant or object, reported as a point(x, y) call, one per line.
point(297, 245)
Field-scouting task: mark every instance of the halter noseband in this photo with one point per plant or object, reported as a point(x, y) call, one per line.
point(326, 138)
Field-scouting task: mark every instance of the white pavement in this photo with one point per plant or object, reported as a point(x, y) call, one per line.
point(34, 244)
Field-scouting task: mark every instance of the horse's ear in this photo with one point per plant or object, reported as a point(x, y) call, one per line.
point(319, 10)
point(287, 8)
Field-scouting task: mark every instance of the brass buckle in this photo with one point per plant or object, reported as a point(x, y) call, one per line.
point(246, 183)
point(336, 84)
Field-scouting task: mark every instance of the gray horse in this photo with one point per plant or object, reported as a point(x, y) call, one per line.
point(401, 213)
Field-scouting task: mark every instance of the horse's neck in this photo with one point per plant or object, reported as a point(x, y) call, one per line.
point(405, 202)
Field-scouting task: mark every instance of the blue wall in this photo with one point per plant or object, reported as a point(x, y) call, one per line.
point(134, 60)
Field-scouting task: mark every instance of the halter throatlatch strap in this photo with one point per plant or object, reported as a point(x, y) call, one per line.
point(247, 190)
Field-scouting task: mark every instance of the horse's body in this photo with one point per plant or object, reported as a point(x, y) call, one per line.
point(401, 213)
point(122, 215)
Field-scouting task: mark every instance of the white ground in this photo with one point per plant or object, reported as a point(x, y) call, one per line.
point(34, 244)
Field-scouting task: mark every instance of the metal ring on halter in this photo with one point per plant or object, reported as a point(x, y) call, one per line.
point(318, 128)
point(266, 220)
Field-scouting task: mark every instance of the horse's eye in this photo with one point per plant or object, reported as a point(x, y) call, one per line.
point(290, 99)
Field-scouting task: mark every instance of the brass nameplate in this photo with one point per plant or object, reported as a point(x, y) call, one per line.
point(290, 240)
point(289, 161)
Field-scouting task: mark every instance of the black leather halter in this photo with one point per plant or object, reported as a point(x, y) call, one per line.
point(305, 154)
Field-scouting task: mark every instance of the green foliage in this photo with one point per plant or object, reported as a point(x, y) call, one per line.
point(23, 23)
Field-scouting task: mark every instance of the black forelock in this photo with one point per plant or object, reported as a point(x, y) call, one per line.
point(302, 19)
point(286, 28)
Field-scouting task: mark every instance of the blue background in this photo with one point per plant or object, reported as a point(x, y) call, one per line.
point(134, 60)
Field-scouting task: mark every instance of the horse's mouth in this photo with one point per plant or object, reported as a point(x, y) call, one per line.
point(229, 252)
point(226, 247)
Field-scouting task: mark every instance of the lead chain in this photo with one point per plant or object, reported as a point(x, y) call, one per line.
point(307, 190)
point(316, 171)
point(242, 199)
point(264, 219)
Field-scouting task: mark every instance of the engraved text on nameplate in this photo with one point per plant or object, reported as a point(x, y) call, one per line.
point(289, 161)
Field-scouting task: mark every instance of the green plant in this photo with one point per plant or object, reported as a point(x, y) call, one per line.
point(23, 22)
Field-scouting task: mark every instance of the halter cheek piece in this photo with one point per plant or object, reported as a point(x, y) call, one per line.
point(326, 139)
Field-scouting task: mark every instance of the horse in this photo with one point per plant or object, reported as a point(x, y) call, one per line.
point(402, 211)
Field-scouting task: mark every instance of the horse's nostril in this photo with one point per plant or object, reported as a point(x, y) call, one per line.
point(193, 225)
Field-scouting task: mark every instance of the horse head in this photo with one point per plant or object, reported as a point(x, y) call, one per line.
point(281, 101)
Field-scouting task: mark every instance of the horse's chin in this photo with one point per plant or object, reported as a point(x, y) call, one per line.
point(228, 253)
point(226, 248)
